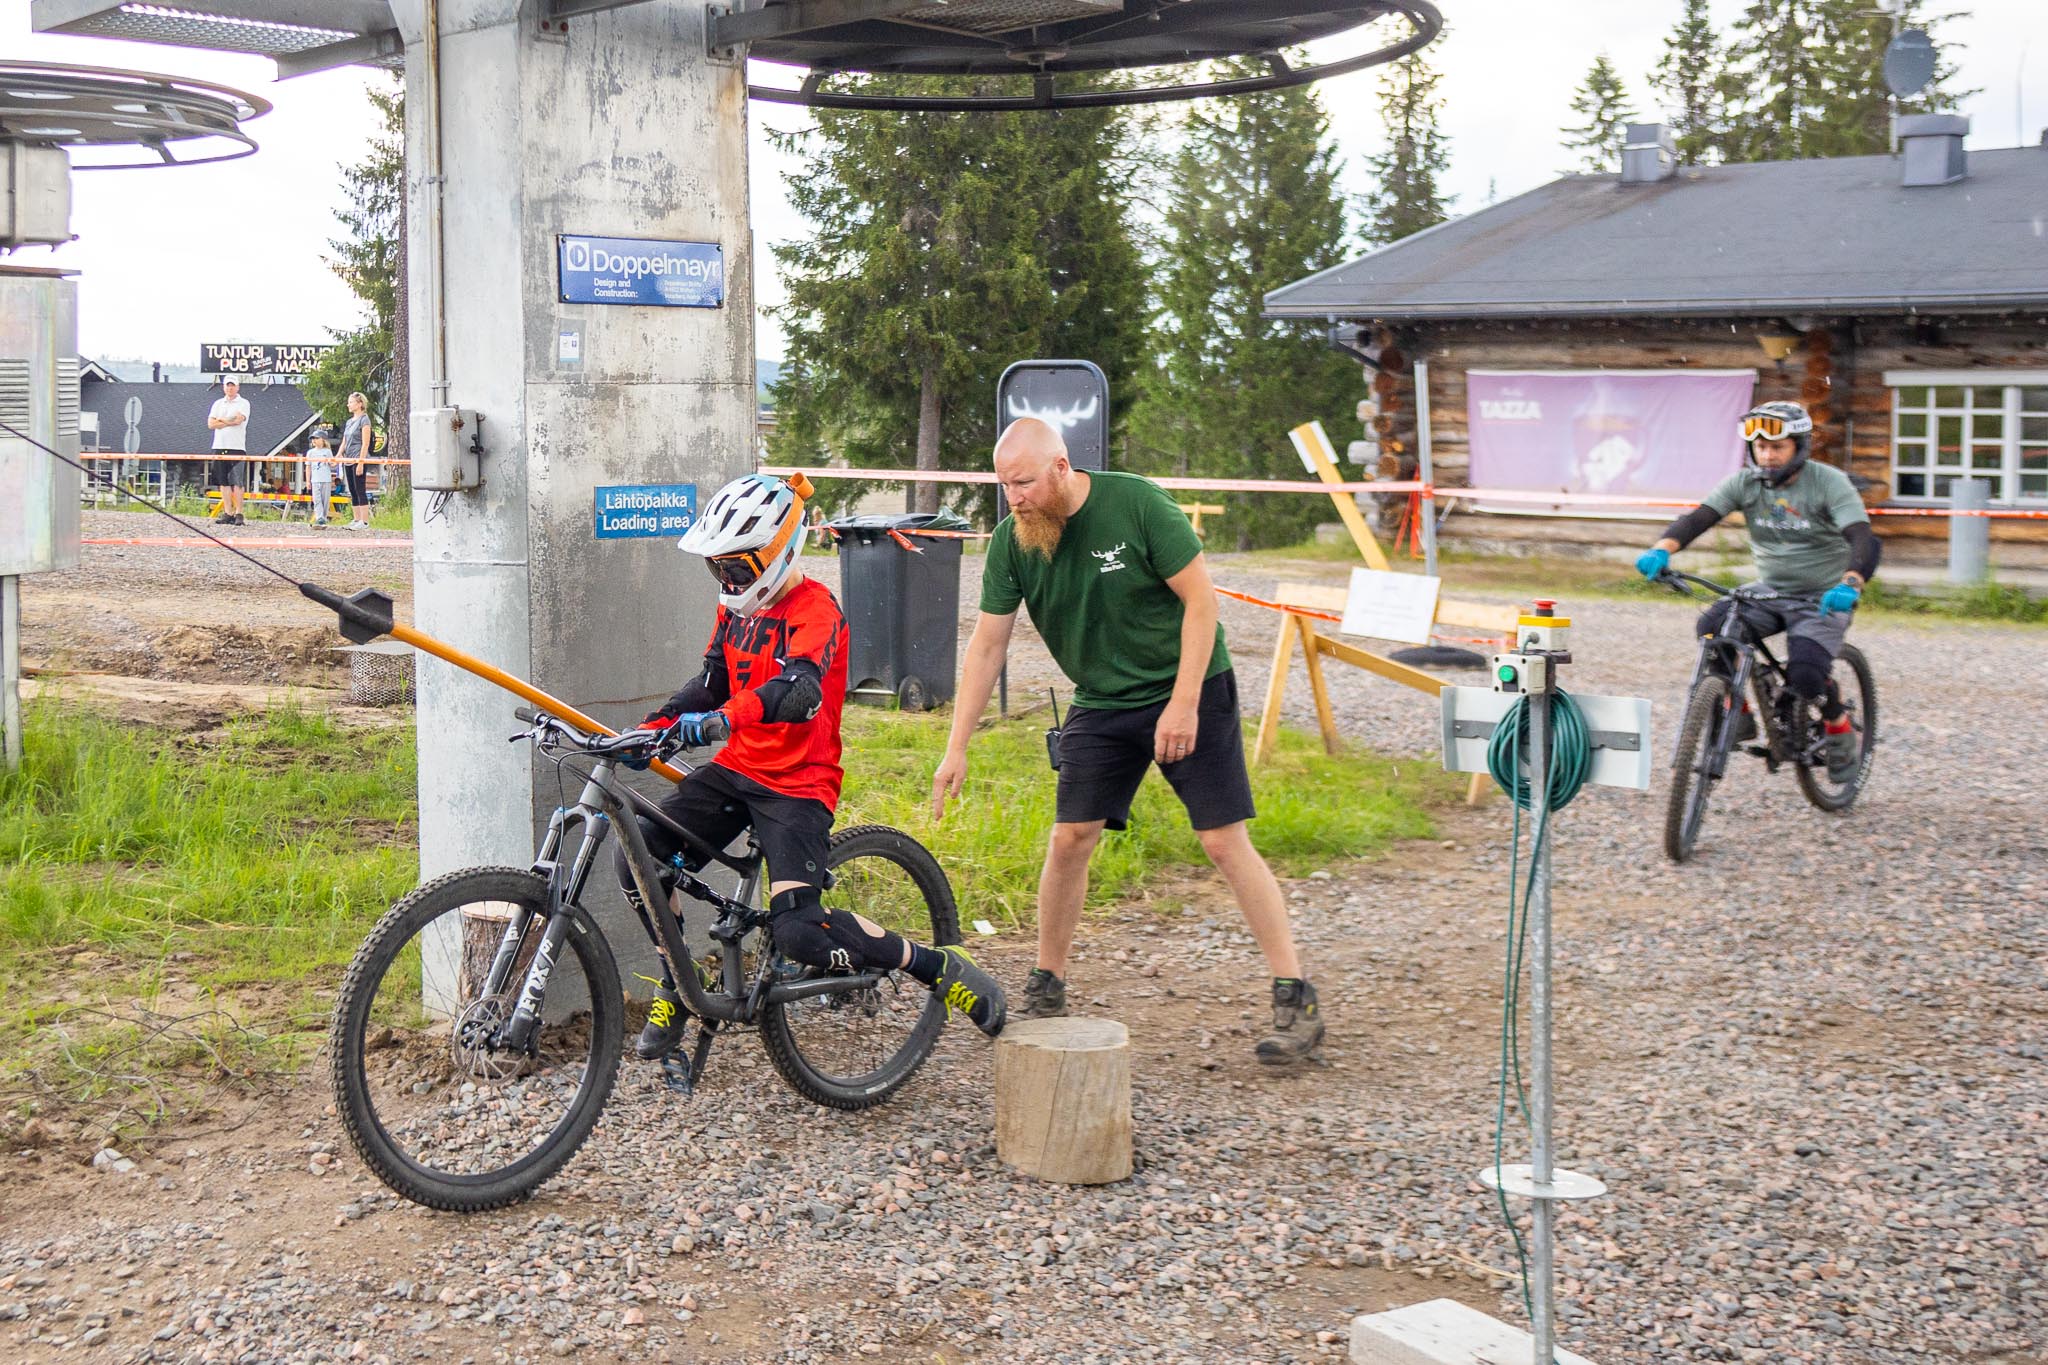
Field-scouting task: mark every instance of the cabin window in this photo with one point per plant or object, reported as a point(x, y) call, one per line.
point(1987, 426)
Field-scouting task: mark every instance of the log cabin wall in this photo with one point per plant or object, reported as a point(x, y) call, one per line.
point(1837, 369)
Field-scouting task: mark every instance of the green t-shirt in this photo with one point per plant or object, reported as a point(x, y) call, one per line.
point(1101, 601)
point(1795, 532)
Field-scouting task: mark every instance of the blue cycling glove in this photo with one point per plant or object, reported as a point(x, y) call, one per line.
point(1652, 562)
point(695, 729)
point(1841, 597)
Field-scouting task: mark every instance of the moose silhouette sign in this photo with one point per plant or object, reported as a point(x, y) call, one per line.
point(1071, 395)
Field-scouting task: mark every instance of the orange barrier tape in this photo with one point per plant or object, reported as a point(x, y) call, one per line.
point(1164, 481)
point(258, 542)
point(1445, 493)
point(1277, 606)
point(333, 457)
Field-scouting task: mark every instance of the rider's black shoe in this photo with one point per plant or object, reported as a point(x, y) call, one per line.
point(1045, 995)
point(1745, 725)
point(1297, 1024)
point(1844, 750)
point(965, 987)
point(665, 1020)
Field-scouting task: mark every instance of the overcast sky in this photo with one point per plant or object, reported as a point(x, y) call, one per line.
point(174, 257)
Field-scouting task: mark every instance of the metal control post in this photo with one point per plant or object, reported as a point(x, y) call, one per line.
point(1544, 1308)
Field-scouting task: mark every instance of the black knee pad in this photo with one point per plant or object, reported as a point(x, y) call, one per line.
point(1807, 669)
point(805, 931)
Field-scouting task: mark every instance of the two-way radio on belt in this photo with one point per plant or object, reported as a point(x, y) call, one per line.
point(366, 614)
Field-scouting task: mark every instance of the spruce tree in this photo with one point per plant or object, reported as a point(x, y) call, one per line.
point(1603, 109)
point(1254, 203)
point(1685, 78)
point(371, 261)
point(1407, 178)
point(1805, 78)
point(946, 246)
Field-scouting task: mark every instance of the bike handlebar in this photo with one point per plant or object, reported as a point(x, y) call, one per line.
point(627, 742)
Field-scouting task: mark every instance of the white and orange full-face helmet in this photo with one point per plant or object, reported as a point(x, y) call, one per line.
point(750, 534)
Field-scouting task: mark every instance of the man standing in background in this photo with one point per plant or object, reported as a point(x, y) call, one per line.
point(1115, 581)
point(229, 421)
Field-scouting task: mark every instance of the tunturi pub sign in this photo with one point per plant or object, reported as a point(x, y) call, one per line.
point(632, 270)
point(258, 358)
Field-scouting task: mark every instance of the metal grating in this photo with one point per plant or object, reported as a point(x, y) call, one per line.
point(1004, 16)
point(17, 398)
point(67, 395)
point(180, 26)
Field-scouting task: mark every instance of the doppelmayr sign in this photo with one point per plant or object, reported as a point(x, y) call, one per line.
point(633, 270)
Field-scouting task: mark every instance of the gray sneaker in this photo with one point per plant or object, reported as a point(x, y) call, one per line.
point(970, 990)
point(666, 1019)
point(1045, 996)
point(1297, 1024)
point(1844, 751)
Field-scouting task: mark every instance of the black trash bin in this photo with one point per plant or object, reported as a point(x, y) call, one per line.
point(902, 606)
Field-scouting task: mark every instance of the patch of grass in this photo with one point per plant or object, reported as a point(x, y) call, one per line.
point(393, 509)
point(141, 867)
point(1313, 810)
point(1982, 602)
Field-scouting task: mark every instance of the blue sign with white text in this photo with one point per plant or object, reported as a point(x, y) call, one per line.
point(632, 270)
point(646, 509)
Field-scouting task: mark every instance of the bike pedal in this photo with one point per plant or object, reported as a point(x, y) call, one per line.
point(678, 1075)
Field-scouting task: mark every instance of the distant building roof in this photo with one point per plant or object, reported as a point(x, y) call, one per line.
point(173, 416)
point(1826, 236)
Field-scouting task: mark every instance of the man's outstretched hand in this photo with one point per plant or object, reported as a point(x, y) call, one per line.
point(946, 782)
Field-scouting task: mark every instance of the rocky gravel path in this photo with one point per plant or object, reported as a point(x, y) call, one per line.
point(1812, 1065)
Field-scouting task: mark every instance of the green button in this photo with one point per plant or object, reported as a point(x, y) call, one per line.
point(1507, 672)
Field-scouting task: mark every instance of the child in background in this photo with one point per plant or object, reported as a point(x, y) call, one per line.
point(320, 468)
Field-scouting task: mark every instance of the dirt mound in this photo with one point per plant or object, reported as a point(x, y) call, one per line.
point(232, 653)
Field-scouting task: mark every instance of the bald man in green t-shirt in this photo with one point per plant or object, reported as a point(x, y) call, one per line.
point(1117, 586)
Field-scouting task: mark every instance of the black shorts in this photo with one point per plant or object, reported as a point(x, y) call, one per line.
point(228, 469)
point(1104, 754)
point(716, 804)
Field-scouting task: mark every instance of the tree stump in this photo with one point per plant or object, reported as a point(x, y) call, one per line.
point(1063, 1099)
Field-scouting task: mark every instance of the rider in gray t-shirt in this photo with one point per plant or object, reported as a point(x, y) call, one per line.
point(1813, 545)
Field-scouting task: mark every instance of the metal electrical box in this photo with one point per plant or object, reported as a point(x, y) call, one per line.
point(35, 209)
point(38, 396)
point(447, 450)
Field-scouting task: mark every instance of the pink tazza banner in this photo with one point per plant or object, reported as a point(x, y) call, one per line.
point(1632, 433)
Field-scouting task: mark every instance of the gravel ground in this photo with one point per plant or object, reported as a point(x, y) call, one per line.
point(1811, 1064)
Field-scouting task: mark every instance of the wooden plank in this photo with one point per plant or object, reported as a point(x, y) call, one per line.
point(1316, 596)
point(1476, 615)
point(1314, 445)
point(1276, 692)
point(1326, 719)
point(1374, 663)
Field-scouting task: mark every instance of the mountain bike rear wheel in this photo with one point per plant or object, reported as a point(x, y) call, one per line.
point(1852, 677)
point(1692, 769)
point(854, 1049)
point(433, 1110)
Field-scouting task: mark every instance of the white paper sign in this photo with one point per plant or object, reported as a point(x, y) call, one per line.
point(1391, 606)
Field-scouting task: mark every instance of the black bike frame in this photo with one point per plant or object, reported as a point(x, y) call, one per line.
point(605, 805)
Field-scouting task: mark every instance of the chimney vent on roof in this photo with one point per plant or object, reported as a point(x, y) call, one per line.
point(1648, 154)
point(1933, 147)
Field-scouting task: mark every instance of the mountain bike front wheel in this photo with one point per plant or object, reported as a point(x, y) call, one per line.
point(1694, 767)
point(854, 1049)
point(435, 1109)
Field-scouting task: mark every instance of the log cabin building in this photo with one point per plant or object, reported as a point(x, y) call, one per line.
point(1601, 334)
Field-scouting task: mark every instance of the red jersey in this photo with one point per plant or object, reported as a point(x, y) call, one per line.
point(799, 758)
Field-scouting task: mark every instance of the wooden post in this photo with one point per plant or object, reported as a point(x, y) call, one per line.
point(1063, 1099)
point(1276, 690)
point(1326, 719)
point(1313, 445)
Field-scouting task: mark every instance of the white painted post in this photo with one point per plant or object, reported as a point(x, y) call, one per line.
point(1424, 467)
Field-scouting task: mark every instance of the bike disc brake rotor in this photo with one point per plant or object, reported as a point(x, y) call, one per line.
point(470, 1041)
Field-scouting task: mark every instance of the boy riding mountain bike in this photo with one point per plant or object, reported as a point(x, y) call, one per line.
point(1814, 551)
point(773, 686)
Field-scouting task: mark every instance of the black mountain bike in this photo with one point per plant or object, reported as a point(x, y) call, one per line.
point(479, 1028)
point(1788, 726)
